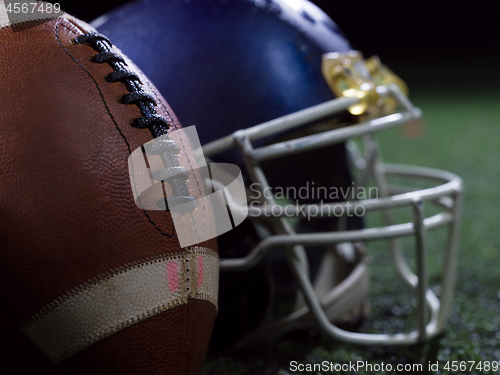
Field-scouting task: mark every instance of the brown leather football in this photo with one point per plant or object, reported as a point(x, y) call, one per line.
point(89, 282)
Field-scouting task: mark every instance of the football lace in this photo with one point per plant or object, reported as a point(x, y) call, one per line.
point(175, 175)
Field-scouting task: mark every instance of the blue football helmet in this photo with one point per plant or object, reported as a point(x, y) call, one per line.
point(274, 87)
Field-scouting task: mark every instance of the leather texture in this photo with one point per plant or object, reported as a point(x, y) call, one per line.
point(113, 302)
point(67, 213)
point(182, 337)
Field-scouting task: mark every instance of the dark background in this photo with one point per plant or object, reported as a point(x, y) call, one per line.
point(464, 29)
point(448, 46)
point(467, 29)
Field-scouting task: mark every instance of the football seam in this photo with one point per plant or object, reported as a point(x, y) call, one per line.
point(60, 24)
point(188, 159)
point(186, 339)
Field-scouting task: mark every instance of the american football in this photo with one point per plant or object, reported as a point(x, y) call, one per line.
point(90, 283)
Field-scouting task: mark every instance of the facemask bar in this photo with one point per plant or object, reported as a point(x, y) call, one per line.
point(310, 115)
point(447, 195)
point(439, 310)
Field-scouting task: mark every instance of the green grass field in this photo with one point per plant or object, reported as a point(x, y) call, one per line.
point(462, 135)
